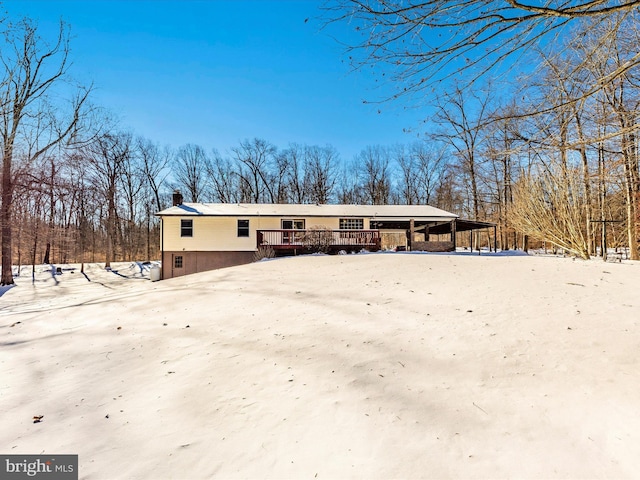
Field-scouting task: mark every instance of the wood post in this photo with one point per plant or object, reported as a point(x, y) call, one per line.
point(412, 231)
point(453, 233)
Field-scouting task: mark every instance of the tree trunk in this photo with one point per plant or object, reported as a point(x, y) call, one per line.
point(587, 194)
point(47, 251)
point(602, 191)
point(630, 162)
point(5, 218)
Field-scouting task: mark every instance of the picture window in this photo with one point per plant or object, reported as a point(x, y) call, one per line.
point(351, 224)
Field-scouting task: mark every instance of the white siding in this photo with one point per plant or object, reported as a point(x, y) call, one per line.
point(221, 233)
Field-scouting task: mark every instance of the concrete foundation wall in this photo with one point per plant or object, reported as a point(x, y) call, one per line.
point(433, 246)
point(195, 262)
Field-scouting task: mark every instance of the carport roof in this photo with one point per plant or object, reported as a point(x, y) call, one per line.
point(461, 226)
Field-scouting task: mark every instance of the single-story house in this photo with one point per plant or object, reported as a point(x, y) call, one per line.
point(196, 237)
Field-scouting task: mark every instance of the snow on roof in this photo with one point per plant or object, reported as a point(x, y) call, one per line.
point(381, 212)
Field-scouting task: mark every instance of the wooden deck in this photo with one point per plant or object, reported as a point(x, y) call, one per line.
point(294, 241)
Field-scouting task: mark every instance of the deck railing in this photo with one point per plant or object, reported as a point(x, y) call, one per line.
point(308, 239)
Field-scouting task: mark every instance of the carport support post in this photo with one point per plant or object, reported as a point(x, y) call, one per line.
point(412, 230)
point(453, 233)
point(495, 238)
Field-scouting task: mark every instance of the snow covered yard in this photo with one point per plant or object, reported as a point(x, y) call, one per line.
point(355, 366)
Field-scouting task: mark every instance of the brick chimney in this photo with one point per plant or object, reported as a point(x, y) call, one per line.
point(177, 198)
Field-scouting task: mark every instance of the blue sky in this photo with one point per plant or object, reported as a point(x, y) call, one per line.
point(216, 72)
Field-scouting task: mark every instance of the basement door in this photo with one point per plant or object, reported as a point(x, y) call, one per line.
point(177, 265)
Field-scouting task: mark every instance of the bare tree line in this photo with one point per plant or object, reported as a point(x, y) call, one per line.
point(554, 160)
point(572, 110)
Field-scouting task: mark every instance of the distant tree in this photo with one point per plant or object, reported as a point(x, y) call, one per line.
point(503, 154)
point(189, 169)
point(224, 178)
point(448, 193)
point(108, 156)
point(154, 162)
point(373, 169)
point(321, 164)
point(255, 158)
point(295, 176)
point(132, 185)
point(31, 121)
point(278, 188)
point(462, 117)
point(421, 171)
point(88, 199)
point(310, 173)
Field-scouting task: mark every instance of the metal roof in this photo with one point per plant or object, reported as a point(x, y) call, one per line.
point(381, 212)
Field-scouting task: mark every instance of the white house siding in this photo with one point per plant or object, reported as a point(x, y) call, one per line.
point(209, 234)
point(220, 234)
point(215, 242)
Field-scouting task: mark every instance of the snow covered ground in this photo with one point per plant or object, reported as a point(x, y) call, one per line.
point(356, 366)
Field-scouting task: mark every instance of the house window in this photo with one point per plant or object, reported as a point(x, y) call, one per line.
point(243, 228)
point(186, 228)
point(177, 261)
point(297, 224)
point(293, 224)
point(351, 224)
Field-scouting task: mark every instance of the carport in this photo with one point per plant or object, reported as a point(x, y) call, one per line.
point(461, 225)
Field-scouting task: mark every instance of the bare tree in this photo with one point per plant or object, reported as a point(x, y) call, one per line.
point(294, 156)
point(154, 162)
point(503, 151)
point(256, 157)
point(189, 168)
point(427, 41)
point(320, 172)
point(373, 169)
point(29, 123)
point(278, 187)
point(421, 170)
point(132, 185)
point(349, 190)
point(462, 117)
point(108, 155)
point(623, 101)
point(224, 178)
point(87, 199)
point(449, 195)
point(310, 173)
point(548, 206)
